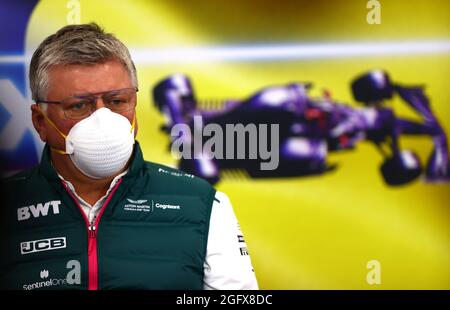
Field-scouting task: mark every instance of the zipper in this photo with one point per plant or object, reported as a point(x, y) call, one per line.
point(92, 236)
point(92, 233)
point(92, 258)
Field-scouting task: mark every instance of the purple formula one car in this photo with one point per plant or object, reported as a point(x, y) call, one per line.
point(308, 128)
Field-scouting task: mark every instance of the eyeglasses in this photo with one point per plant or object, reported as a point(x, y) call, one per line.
point(81, 106)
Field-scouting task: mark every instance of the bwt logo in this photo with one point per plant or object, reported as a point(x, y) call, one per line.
point(41, 209)
point(28, 247)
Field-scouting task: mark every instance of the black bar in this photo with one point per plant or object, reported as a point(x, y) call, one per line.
point(207, 299)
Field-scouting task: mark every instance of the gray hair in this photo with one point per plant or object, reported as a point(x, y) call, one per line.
point(85, 44)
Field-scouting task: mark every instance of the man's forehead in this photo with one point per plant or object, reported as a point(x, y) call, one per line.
point(80, 78)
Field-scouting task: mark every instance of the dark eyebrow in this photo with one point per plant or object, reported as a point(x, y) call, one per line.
point(112, 92)
point(87, 94)
point(103, 93)
point(83, 96)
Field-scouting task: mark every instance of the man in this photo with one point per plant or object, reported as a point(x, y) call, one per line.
point(94, 214)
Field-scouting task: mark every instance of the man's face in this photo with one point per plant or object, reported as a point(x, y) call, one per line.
point(69, 80)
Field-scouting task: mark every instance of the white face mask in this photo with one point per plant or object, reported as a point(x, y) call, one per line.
point(101, 144)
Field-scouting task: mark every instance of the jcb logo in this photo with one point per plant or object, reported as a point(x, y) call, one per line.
point(28, 247)
point(41, 209)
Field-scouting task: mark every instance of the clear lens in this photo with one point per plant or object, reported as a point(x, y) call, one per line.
point(120, 101)
point(79, 107)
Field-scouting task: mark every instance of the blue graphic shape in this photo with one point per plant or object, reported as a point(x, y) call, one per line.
point(24, 156)
point(14, 16)
point(16, 74)
point(4, 116)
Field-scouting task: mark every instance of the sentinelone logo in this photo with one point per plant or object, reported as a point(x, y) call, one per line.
point(73, 277)
point(45, 283)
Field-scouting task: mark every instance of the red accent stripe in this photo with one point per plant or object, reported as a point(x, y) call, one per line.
point(92, 263)
point(92, 251)
point(92, 236)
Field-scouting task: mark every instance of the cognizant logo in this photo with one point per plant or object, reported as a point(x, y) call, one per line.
point(167, 206)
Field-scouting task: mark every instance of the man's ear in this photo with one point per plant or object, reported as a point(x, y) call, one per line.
point(39, 122)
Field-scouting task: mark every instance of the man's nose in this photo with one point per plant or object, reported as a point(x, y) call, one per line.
point(99, 103)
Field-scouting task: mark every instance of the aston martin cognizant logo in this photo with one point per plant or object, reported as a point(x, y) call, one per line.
point(138, 205)
point(141, 205)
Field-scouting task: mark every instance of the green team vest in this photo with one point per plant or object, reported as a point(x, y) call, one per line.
point(150, 234)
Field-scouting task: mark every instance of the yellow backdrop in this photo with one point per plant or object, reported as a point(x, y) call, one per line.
point(315, 232)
